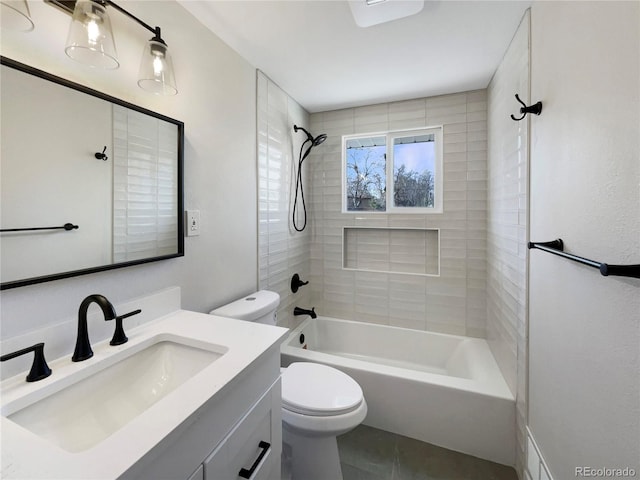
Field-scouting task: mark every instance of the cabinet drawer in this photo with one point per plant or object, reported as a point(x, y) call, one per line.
point(249, 444)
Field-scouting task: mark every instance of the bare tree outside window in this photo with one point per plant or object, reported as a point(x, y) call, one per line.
point(366, 178)
point(412, 189)
point(413, 171)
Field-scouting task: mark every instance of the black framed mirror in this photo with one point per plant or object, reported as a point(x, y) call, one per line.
point(88, 182)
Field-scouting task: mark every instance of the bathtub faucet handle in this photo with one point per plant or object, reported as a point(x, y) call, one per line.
point(296, 283)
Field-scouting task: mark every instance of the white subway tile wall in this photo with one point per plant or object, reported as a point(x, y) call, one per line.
point(455, 301)
point(282, 251)
point(507, 224)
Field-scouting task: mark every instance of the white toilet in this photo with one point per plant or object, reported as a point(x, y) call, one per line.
point(318, 402)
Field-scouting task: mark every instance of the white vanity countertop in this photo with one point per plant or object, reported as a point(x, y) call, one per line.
point(27, 455)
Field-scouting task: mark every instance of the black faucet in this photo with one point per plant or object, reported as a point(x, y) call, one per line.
point(302, 311)
point(83, 347)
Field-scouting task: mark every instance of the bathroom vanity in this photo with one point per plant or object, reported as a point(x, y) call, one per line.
point(189, 396)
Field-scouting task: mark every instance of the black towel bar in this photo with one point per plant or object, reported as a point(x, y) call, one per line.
point(556, 247)
point(66, 226)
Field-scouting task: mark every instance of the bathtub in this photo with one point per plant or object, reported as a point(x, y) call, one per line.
point(442, 389)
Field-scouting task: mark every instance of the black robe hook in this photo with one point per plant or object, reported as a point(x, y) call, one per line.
point(102, 156)
point(535, 108)
point(296, 283)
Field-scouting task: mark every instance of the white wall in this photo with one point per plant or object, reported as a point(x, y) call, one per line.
point(584, 329)
point(216, 100)
point(282, 250)
point(454, 302)
point(507, 206)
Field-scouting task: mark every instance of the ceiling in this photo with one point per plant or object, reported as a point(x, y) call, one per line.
point(315, 51)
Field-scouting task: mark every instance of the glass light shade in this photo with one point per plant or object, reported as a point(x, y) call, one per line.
point(156, 69)
point(15, 15)
point(90, 39)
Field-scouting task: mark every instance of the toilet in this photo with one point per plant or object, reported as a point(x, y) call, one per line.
point(318, 402)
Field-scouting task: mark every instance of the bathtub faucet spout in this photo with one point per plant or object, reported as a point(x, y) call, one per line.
point(302, 311)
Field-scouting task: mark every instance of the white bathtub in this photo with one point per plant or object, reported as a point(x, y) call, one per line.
point(442, 389)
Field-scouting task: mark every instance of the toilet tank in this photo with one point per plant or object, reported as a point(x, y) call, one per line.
point(258, 307)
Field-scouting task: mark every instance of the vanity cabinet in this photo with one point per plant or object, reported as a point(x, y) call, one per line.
point(250, 446)
point(228, 434)
point(213, 421)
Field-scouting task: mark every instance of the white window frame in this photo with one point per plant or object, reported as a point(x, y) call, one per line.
point(438, 206)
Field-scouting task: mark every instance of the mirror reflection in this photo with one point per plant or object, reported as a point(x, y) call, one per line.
point(71, 155)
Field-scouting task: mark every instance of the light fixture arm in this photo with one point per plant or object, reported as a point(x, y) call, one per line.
point(155, 31)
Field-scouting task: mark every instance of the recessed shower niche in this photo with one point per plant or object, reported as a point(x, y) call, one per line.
point(414, 251)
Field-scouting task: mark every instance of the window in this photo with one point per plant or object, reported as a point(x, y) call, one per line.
point(394, 172)
point(366, 177)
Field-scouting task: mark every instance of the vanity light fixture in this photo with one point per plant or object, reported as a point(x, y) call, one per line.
point(15, 15)
point(90, 41)
point(156, 68)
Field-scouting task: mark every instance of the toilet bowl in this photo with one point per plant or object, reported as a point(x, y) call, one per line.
point(318, 402)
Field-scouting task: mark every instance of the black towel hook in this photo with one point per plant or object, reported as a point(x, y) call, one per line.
point(535, 108)
point(102, 156)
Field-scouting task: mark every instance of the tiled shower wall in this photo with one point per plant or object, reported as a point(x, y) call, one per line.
point(507, 224)
point(281, 250)
point(454, 302)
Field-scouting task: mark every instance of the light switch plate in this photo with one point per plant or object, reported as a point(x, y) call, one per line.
point(193, 223)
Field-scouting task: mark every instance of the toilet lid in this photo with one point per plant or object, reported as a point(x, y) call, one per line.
point(319, 390)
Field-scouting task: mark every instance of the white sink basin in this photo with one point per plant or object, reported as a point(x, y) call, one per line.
point(83, 414)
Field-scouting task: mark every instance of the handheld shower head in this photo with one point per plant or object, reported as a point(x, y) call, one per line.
point(319, 139)
point(299, 187)
point(314, 141)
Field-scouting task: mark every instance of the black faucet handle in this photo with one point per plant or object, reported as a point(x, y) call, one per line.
point(119, 336)
point(39, 367)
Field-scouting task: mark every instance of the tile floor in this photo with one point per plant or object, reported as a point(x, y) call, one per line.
point(367, 453)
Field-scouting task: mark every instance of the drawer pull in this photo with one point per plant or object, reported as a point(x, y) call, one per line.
point(244, 473)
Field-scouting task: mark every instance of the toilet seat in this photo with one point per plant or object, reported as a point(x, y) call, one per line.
point(318, 390)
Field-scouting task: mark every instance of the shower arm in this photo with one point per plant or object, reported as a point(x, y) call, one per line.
point(309, 136)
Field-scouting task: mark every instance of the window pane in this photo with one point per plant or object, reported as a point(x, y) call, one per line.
point(414, 161)
point(366, 178)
